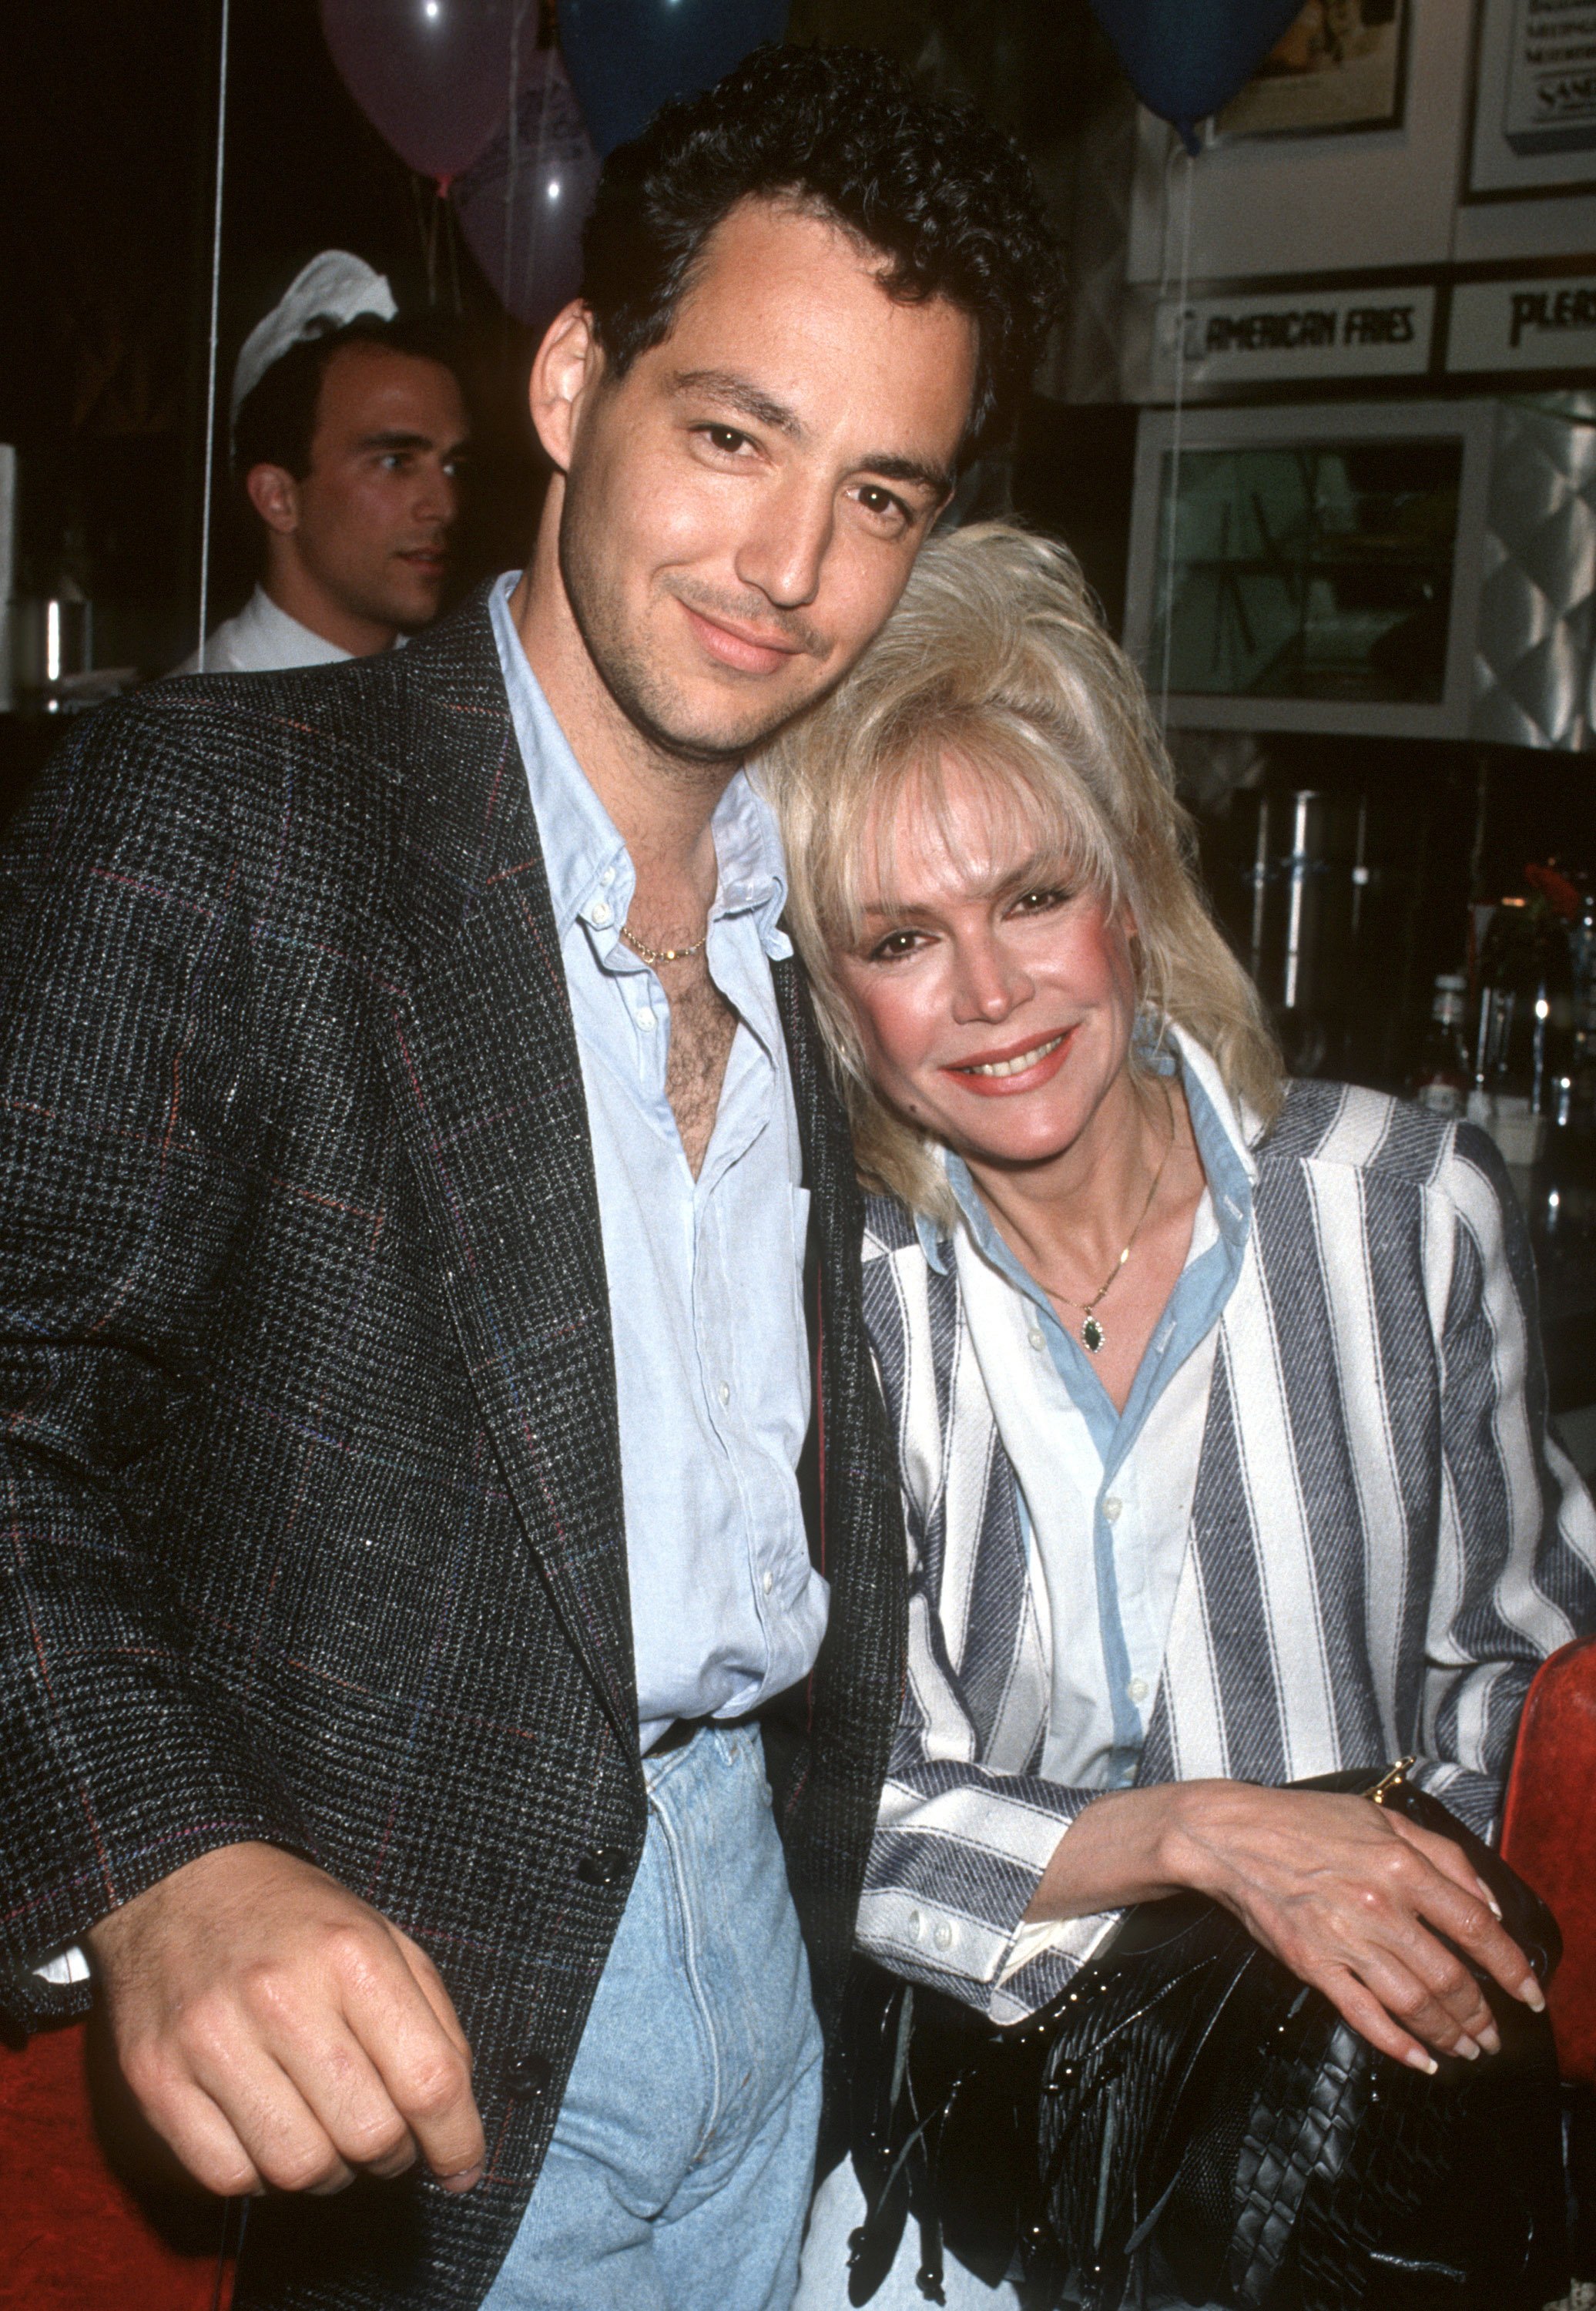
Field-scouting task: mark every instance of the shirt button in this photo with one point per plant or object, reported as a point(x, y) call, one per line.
point(769, 1582)
point(1035, 1339)
point(724, 1392)
point(607, 877)
point(943, 1937)
point(915, 1924)
point(645, 1017)
point(1112, 1507)
point(1138, 1688)
point(599, 912)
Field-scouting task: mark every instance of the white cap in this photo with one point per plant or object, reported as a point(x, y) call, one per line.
point(333, 289)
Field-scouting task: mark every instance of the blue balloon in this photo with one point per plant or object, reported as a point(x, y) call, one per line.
point(1185, 58)
point(626, 57)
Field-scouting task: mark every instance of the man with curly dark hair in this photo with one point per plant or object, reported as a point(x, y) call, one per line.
point(440, 1442)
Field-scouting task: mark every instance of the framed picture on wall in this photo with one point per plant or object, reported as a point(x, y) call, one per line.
point(1340, 66)
point(1535, 99)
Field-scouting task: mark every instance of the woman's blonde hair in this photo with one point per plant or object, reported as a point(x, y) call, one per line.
point(997, 661)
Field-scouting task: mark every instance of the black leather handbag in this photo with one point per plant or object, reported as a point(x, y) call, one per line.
point(1188, 2100)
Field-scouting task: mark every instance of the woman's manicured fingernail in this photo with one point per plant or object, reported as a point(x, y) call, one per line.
point(1465, 2046)
point(1530, 1992)
point(1489, 2038)
point(1419, 2060)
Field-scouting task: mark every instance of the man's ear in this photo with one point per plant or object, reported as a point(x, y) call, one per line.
point(274, 494)
point(568, 365)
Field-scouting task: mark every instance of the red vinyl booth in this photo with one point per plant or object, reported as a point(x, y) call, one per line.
point(1548, 1834)
point(72, 2237)
point(76, 2240)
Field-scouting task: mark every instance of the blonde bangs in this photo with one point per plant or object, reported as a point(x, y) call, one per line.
point(1028, 812)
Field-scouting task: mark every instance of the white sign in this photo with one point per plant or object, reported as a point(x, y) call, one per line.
point(1523, 325)
point(1551, 78)
point(1534, 118)
point(1291, 334)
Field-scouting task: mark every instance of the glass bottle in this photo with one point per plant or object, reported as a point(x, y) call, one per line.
point(1441, 1075)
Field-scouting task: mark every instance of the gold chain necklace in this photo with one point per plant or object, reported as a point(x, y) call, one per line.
point(662, 953)
point(1092, 1336)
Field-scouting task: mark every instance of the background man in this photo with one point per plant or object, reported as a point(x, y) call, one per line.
point(429, 1222)
point(348, 428)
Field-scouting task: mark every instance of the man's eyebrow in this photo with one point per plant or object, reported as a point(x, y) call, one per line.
point(397, 442)
point(740, 393)
point(938, 480)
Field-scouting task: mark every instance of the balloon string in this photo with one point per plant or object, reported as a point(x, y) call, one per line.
point(540, 191)
point(418, 207)
point(516, 19)
point(205, 520)
point(1182, 158)
point(427, 203)
point(451, 242)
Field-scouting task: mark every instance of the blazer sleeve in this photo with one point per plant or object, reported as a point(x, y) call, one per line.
point(958, 1853)
point(1516, 1565)
point(125, 1034)
point(960, 1846)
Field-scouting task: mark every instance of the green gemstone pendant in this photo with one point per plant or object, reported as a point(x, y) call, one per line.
point(1092, 1334)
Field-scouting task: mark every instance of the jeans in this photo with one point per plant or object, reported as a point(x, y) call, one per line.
point(679, 2175)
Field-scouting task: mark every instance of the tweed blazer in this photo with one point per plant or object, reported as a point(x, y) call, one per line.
point(1383, 1544)
point(312, 1490)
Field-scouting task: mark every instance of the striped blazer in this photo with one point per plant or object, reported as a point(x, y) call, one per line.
point(1383, 1540)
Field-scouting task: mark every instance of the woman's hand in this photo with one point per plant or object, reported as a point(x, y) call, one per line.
point(1352, 1898)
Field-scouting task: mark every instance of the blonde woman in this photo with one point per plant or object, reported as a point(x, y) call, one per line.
point(1218, 1400)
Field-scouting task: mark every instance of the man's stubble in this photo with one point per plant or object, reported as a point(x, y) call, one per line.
point(622, 661)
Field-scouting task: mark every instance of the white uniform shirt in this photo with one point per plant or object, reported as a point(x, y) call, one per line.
point(262, 640)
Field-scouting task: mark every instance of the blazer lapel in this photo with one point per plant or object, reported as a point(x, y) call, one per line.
point(846, 1475)
point(483, 1059)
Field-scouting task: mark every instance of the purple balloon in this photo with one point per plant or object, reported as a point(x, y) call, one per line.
point(432, 75)
point(523, 205)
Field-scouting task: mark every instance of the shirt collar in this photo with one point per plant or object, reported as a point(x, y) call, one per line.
point(1220, 1127)
point(583, 853)
point(284, 639)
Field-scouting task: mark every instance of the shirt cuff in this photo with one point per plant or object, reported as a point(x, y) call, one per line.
point(67, 1966)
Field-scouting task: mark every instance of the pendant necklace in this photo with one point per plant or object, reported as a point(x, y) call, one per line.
point(1092, 1336)
point(661, 954)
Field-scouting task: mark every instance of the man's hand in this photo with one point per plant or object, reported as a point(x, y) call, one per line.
point(1350, 1896)
point(279, 2034)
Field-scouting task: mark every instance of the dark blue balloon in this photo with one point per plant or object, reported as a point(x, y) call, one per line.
point(626, 56)
point(1185, 58)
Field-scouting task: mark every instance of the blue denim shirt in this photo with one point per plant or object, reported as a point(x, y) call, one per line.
point(706, 1275)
